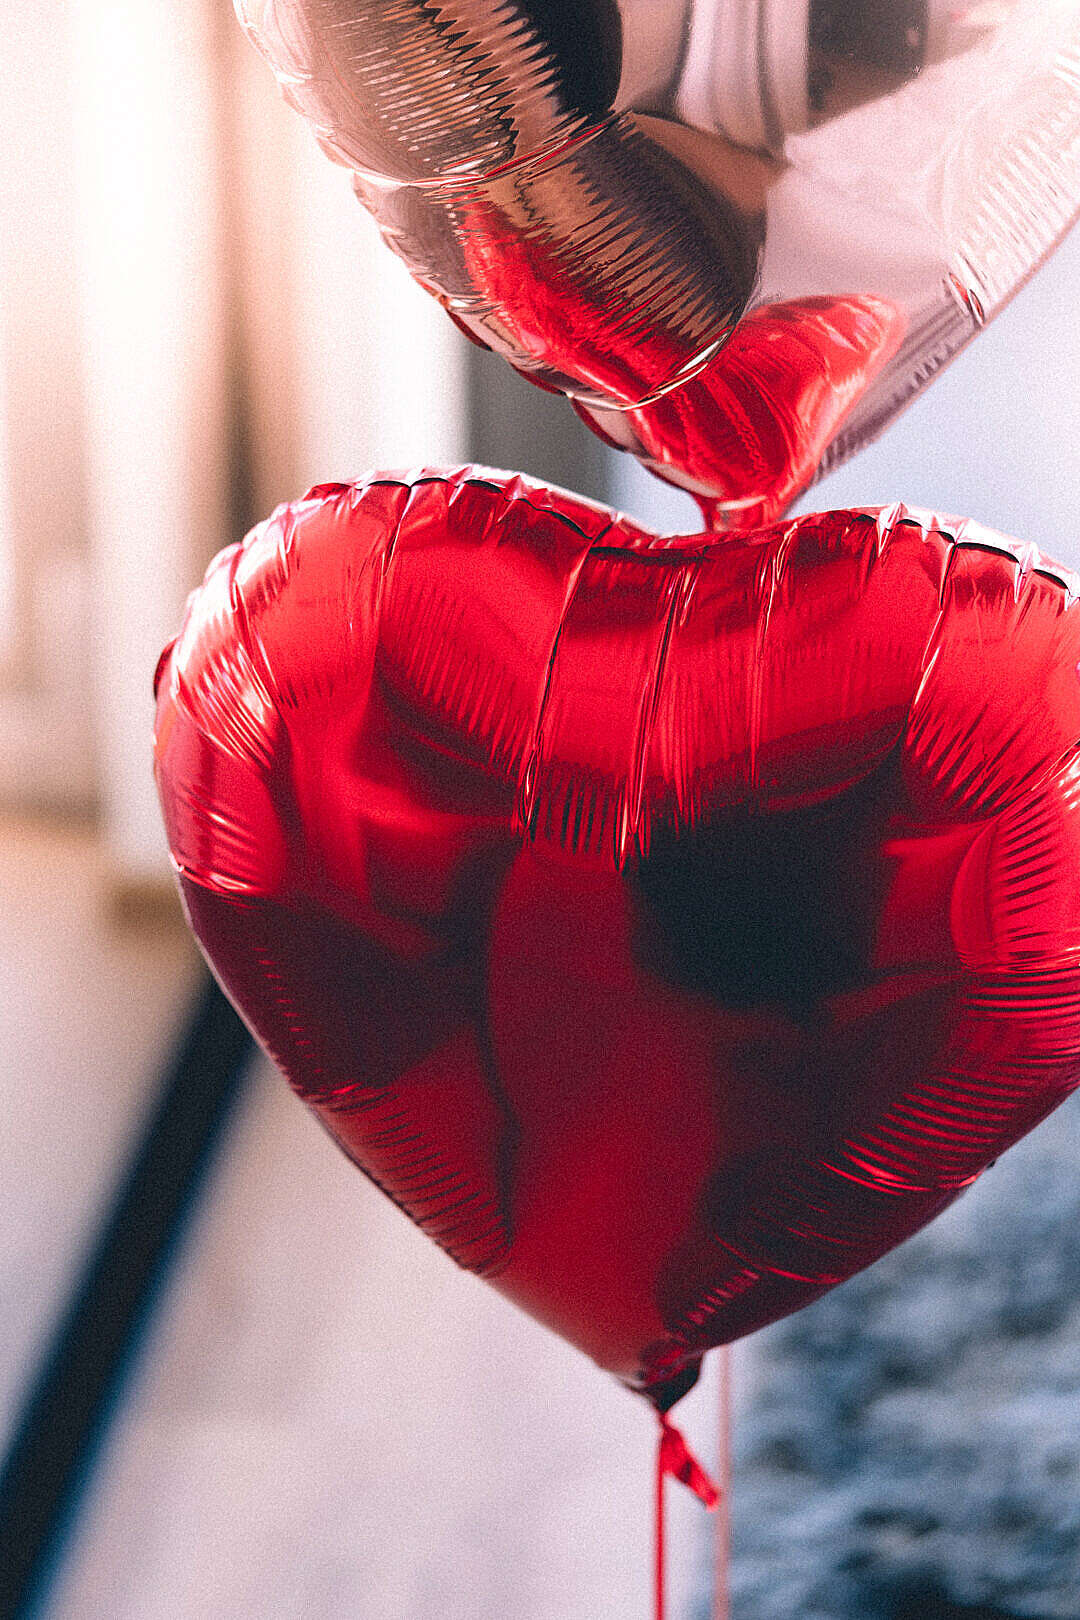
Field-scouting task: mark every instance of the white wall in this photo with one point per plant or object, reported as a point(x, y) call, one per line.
point(995, 438)
point(146, 242)
point(349, 366)
point(225, 271)
point(45, 713)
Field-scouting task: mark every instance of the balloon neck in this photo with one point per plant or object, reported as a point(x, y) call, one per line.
point(734, 518)
point(663, 1386)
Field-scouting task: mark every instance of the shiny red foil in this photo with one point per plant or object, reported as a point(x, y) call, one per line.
point(669, 927)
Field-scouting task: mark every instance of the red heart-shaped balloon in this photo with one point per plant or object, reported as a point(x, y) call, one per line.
point(669, 927)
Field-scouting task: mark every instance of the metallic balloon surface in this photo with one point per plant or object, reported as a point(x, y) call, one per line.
point(668, 927)
point(605, 190)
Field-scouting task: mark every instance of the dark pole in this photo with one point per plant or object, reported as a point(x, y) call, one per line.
point(66, 1413)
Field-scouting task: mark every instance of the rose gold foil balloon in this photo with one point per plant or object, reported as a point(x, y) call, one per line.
point(739, 234)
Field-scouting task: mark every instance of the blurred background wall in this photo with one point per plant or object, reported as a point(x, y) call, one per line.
point(197, 321)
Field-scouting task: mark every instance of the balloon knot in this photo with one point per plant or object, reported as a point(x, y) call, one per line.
point(678, 1460)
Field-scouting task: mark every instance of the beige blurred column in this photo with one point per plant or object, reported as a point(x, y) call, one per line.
point(347, 365)
point(245, 335)
point(46, 752)
point(149, 256)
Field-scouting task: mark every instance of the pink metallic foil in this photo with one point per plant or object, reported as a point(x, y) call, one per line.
point(740, 235)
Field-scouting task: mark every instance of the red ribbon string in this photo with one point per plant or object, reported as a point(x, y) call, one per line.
point(721, 1589)
point(677, 1460)
point(674, 1457)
